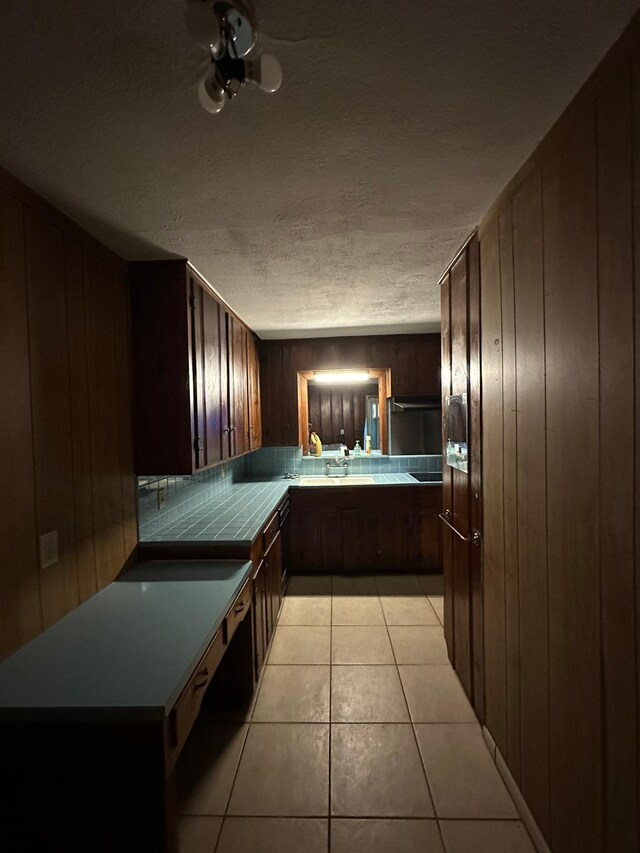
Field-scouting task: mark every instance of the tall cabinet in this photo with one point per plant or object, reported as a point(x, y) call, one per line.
point(462, 490)
point(195, 373)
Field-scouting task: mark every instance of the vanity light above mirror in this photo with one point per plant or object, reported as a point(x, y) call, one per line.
point(341, 376)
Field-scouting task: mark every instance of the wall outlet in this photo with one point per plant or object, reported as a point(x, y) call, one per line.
point(162, 497)
point(48, 547)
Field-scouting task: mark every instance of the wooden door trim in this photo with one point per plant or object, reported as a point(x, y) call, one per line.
point(382, 374)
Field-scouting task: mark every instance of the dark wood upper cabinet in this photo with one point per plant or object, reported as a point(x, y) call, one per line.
point(253, 387)
point(195, 378)
point(210, 384)
point(238, 386)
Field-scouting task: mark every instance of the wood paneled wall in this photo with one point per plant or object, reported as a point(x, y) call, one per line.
point(414, 361)
point(65, 426)
point(561, 420)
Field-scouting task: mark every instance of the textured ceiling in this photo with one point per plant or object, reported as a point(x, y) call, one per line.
point(330, 207)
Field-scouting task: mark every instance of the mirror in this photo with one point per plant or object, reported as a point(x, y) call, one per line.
point(344, 414)
point(341, 411)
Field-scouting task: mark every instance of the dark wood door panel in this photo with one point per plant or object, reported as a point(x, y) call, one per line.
point(253, 386)
point(462, 494)
point(260, 639)
point(212, 381)
point(475, 478)
point(447, 480)
point(361, 531)
point(162, 380)
point(198, 355)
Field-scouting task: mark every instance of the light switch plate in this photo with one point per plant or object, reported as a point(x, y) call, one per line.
point(48, 545)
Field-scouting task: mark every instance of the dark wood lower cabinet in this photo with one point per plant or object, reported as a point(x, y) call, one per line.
point(364, 529)
point(273, 564)
point(260, 639)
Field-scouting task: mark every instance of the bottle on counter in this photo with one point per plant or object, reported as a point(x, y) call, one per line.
point(357, 450)
point(367, 447)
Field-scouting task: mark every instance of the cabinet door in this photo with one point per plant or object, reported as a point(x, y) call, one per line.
point(209, 377)
point(162, 373)
point(462, 568)
point(315, 536)
point(416, 363)
point(274, 581)
point(259, 617)
point(360, 539)
point(253, 386)
point(285, 534)
point(238, 397)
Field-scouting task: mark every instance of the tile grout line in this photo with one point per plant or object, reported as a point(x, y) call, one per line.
point(249, 720)
point(413, 729)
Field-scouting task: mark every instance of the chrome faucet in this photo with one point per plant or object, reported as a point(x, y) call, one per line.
point(340, 462)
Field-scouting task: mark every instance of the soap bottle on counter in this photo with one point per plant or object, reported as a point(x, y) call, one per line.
point(357, 450)
point(367, 447)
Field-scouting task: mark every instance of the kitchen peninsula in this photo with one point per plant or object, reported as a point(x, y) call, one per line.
point(390, 523)
point(96, 710)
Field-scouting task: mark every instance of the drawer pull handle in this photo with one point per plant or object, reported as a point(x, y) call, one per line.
point(239, 607)
point(451, 527)
point(204, 676)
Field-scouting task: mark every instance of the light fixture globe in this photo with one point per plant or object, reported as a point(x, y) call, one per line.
point(211, 94)
point(228, 31)
point(239, 25)
point(265, 73)
point(203, 25)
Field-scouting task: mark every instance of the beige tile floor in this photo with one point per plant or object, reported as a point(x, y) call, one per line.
point(360, 738)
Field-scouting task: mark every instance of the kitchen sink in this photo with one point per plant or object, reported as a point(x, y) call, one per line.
point(336, 481)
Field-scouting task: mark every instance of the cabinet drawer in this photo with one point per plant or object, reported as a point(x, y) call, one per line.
point(283, 512)
point(187, 707)
point(270, 531)
point(238, 610)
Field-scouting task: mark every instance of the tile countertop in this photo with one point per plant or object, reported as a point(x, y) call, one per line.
point(234, 517)
point(128, 651)
point(238, 515)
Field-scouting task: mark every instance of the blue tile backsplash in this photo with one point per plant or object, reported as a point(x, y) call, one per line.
point(164, 500)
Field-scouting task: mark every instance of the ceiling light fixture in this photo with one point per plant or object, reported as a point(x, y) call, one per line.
point(341, 376)
point(228, 32)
